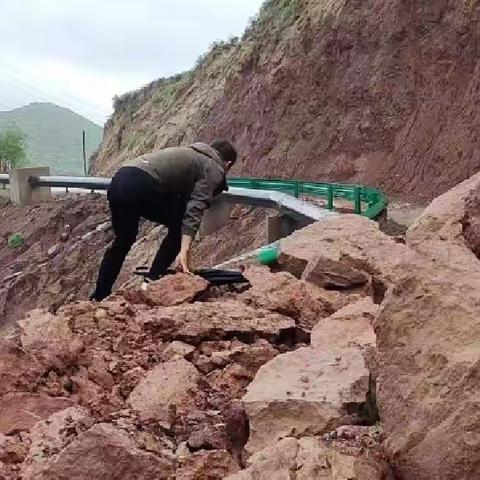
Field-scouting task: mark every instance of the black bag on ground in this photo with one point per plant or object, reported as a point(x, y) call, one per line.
point(212, 275)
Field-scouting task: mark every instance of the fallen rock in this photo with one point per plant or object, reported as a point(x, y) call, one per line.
point(176, 350)
point(102, 451)
point(283, 293)
point(327, 273)
point(213, 465)
point(12, 450)
point(428, 337)
point(443, 218)
point(21, 410)
point(311, 459)
point(215, 321)
point(349, 240)
point(19, 371)
point(175, 289)
point(350, 327)
point(50, 436)
point(231, 371)
point(49, 338)
point(208, 437)
point(53, 250)
point(315, 389)
point(449, 226)
point(164, 390)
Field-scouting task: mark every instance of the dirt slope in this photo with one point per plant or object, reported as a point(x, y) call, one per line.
point(65, 241)
point(376, 91)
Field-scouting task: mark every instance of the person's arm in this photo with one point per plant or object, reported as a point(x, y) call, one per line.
point(182, 263)
point(200, 200)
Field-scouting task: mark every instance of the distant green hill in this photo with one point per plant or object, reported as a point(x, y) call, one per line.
point(54, 136)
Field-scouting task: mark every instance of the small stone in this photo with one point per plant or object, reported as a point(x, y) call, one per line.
point(52, 251)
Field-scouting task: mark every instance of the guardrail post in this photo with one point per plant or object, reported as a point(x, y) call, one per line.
point(21, 192)
point(296, 189)
point(279, 226)
point(330, 197)
point(357, 200)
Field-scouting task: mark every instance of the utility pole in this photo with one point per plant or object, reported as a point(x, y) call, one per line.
point(84, 154)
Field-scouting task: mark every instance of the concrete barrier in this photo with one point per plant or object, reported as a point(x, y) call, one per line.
point(21, 193)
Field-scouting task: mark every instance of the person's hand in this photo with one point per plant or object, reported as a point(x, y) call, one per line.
point(182, 263)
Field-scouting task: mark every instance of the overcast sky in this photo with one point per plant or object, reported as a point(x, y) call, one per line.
point(80, 53)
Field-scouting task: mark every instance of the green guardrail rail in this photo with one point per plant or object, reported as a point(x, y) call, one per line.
point(375, 200)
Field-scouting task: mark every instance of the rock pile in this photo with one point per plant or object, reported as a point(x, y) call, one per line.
point(149, 384)
point(356, 358)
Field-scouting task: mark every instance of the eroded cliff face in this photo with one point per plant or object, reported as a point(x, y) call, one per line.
point(378, 91)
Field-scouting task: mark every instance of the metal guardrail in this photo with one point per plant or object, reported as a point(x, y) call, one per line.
point(375, 200)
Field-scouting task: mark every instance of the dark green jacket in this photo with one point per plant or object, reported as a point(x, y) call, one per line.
point(196, 173)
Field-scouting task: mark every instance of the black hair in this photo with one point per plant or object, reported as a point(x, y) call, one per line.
point(226, 150)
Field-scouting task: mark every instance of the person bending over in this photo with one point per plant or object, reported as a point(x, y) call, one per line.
point(172, 187)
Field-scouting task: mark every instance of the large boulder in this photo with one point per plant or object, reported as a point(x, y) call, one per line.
point(175, 289)
point(428, 335)
point(21, 410)
point(49, 338)
point(328, 273)
point(102, 451)
point(315, 389)
point(215, 321)
point(443, 218)
point(164, 390)
point(203, 465)
point(313, 459)
point(19, 370)
point(450, 226)
point(52, 435)
point(342, 252)
point(428, 347)
point(285, 294)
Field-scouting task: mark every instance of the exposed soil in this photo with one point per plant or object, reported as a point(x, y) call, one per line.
point(64, 242)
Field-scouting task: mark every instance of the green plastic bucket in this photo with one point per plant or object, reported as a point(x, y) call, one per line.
point(268, 255)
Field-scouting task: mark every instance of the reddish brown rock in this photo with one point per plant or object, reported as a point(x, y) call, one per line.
point(350, 327)
point(231, 371)
point(49, 338)
point(51, 436)
point(19, 371)
point(176, 350)
point(102, 451)
point(284, 294)
point(312, 459)
point(428, 344)
point(20, 411)
point(213, 465)
point(327, 273)
point(175, 289)
point(208, 437)
point(214, 321)
point(167, 388)
point(350, 240)
point(12, 449)
point(313, 390)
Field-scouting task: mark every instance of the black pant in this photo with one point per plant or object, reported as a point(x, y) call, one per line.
point(134, 194)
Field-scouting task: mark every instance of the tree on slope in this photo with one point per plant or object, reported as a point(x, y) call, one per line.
point(12, 150)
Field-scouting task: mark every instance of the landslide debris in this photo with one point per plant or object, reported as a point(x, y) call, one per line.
point(64, 241)
point(150, 384)
point(356, 357)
